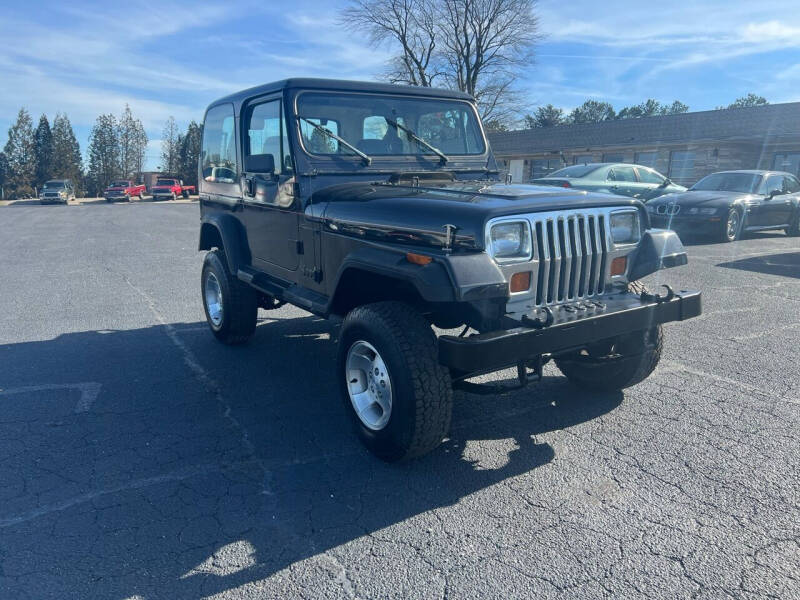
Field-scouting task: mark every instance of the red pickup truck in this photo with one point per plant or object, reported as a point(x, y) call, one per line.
point(171, 188)
point(124, 189)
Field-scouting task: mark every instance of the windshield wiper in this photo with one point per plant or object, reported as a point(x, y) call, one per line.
point(410, 133)
point(330, 134)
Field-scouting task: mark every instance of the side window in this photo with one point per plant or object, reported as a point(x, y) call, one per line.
point(773, 183)
point(624, 174)
point(792, 185)
point(649, 176)
point(611, 175)
point(219, 146)
point(375, 128)
point(266, 134)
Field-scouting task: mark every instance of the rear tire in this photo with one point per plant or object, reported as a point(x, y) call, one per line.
point(231, 306)
point(395, 339)
point(794, 229)
point(185, 194)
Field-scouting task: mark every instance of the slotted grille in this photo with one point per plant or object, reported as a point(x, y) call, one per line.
point(570, 252)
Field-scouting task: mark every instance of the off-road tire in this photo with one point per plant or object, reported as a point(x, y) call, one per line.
point(422, 393)
point(634, 357)
point(723, 231)
point(239, 301)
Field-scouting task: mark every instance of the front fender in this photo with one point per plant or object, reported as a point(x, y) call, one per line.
point(658, 249)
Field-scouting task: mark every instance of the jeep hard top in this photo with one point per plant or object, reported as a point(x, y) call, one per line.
point(382, 208)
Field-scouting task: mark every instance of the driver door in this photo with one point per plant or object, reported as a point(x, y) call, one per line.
point(269, 209)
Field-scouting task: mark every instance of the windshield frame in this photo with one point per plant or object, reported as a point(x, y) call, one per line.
point(170, 181)
point(120, 183)
point(756, 178)
point(591, 169)
point(387, 158)
point(56, 185)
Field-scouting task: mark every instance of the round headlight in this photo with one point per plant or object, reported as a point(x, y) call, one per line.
point(625, 227)
point(509, 241)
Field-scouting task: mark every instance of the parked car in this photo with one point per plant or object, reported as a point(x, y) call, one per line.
point(624, 179)
point(57, 191)
point(124, 189)
point(170, 189)
point(729, 203)
point(380, 208)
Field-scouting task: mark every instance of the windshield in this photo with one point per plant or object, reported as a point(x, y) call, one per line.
point(576, 171)
point(729, 182)
point(165, 182)
point(119, 184)
point(49, 185)
point(383, 125)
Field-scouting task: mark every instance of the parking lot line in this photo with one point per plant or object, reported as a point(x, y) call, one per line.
point(89, 391)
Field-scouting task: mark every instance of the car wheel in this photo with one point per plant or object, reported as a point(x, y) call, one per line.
point(794, 228)
point(231, 306)
point(616, 363)
point(398, 396)
point(731, 226)
point(185, 194)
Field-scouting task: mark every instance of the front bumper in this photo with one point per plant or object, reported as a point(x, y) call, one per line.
point(572, 328)
point(694, 223)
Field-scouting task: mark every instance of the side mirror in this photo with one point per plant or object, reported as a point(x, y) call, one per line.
point(260, 163)
point(772, 193)
point(667, 181)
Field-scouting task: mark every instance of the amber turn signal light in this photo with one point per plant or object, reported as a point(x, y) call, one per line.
point(618, 265)
point(418, 259)
point(520, 282)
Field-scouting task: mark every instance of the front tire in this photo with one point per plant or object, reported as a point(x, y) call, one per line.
point(622, 363)
point(732, 226)
point(398, 396)
point(231, 306)
point(794, 229)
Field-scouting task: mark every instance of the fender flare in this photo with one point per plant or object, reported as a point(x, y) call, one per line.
point(432, 282)
point(227, 231)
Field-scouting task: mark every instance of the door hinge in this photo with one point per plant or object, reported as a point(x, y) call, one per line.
point(313, 273)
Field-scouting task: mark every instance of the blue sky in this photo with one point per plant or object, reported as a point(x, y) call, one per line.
point(174, 57)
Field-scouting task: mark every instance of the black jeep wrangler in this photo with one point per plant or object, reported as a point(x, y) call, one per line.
point(382, 208)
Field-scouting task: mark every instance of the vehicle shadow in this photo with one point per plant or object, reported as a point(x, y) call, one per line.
point(786, 264)
point(200, 468)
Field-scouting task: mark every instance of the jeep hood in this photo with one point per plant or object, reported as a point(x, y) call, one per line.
point(417, 215)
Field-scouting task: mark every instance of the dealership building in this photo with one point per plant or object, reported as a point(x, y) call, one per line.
point(685, 147)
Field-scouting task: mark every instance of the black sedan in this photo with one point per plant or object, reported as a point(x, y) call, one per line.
point(728, 203)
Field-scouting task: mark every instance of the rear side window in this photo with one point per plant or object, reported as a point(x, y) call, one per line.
point(219, 163)
point(649, 176)
point(792, 185)
point(621, 174)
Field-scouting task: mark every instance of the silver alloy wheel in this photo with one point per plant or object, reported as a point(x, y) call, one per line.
point(213, 294)
point(733, 224)
point(369, 385)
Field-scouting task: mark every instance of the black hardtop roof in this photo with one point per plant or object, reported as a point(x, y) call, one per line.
point(341, 85)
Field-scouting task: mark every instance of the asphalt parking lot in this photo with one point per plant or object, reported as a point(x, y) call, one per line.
point(141, 459)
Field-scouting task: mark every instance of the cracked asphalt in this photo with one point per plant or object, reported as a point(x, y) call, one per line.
point(141, 459)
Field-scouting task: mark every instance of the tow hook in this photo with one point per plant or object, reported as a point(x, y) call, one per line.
point(538, 323)
point(658, 298)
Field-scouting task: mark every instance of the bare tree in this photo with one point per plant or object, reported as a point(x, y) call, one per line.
point(475, 46)
point(410, 24)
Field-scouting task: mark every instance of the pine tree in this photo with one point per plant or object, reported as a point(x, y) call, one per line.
point(170, 148)
point(189, 153)
point(43, 150)
point(104, 157)
point(67, 161)
point(19, 151)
